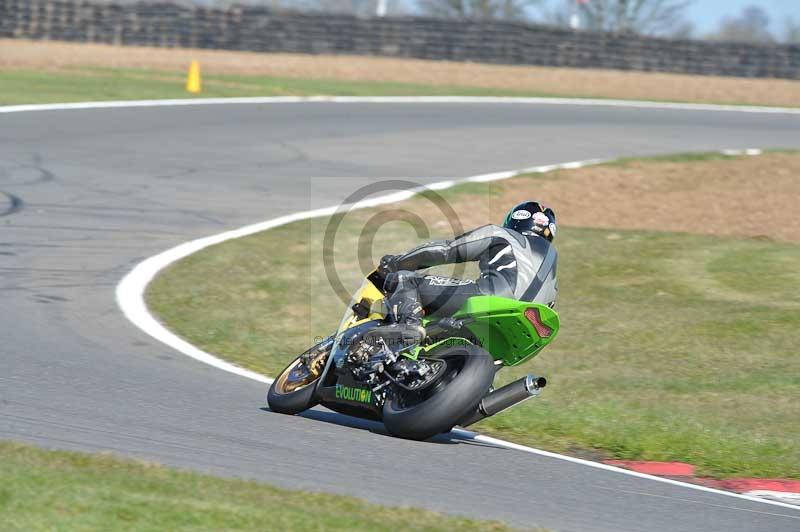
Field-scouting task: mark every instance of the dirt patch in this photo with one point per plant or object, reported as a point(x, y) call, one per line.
point(40, 55)
point(748, 196)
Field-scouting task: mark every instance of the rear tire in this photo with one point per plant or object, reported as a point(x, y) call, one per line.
point(294, 401)
point(470, 374)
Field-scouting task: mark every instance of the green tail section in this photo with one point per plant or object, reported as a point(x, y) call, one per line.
point(504, 329)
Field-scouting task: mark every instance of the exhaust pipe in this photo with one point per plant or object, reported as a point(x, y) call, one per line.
point(502, 398)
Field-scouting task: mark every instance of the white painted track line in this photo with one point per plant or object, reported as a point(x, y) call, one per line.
point(634, 104)
point(787, 496)
point(130, 291)
point(130, 298)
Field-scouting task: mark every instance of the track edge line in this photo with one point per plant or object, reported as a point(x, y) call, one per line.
point(130, 297)
point(588, 102)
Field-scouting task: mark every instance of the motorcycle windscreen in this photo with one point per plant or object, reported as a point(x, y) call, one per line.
point(368, 297)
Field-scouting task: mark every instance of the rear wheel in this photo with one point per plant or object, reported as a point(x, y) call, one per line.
point(293, 390)
point(435, 409)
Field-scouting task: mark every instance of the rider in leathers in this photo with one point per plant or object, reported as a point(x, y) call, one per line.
point(516, 261)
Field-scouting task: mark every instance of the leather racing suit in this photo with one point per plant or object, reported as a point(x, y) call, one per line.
point(512, 265)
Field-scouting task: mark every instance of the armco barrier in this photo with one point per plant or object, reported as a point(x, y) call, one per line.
point(262, 30)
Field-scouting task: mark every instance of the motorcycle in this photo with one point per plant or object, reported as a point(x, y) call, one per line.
point(419, 380)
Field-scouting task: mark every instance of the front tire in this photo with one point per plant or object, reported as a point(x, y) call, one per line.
point(286, 397)
point(469, 375)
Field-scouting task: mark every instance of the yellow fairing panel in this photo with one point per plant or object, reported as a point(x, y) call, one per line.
point(371, 295)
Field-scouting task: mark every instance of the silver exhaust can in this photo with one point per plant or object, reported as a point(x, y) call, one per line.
point(502, 398)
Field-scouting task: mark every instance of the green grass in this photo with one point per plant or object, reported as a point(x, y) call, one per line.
point(96, 84)
point(49, 490)
point(673, 346)
point(690, 157)
point(28, 87)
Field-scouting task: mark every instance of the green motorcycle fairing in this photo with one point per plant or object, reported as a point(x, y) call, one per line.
point(502, 328)
point(500, 324)
point(505, 331)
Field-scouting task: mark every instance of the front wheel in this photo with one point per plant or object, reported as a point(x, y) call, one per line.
point(293, 390)
point(420, 415)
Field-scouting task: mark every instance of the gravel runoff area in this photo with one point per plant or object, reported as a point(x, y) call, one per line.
point(751, 197)
point(567, 82)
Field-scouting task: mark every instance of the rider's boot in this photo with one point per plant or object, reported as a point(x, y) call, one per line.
point(403, 300)
point(404, 310)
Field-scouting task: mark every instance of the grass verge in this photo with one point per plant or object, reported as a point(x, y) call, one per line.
point(51, 490)
point(399, 76)
point(98, 84)
point(95, 84)
point(674, 346)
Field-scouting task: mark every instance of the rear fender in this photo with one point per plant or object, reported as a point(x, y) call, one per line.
point(501, 326)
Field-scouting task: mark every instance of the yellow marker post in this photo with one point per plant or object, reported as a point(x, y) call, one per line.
point(193, 83)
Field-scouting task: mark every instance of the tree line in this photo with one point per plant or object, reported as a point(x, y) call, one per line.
point(661, 18)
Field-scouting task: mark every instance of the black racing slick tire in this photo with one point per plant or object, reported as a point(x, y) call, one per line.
point(469, 375)
point(292, 400)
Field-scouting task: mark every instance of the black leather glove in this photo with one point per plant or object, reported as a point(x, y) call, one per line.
point(388, 264)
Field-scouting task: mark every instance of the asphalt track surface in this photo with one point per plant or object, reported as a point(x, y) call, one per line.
point(87, 194)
